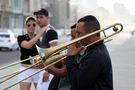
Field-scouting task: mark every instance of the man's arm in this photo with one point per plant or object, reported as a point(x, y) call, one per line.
point(58, 71)
point(28, 44)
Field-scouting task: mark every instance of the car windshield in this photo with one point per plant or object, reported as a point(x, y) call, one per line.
point(4, 36)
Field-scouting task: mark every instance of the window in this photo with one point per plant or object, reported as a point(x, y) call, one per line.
point(4, 36)
point(16, 4)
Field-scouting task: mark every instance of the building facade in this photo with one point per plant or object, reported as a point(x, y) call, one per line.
point(14, 12)
point(59, 10)
point(11, 15)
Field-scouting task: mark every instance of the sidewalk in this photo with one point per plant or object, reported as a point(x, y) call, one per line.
point(123, 61)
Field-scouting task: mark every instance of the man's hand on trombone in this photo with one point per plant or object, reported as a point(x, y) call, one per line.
point(73, 50)
point(40, 64)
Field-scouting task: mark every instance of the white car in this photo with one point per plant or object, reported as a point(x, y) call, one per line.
point(8, 41)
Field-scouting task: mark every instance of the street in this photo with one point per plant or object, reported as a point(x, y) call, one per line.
point(8, 56)
point(123, 60)
point(121, 49)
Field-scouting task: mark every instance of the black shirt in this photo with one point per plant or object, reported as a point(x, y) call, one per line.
point(26, 53)
point(48, 36)
point(93, 72)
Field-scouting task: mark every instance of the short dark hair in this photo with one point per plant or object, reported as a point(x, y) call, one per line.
point(73, 26)
point(91, 23)
point(42, 11)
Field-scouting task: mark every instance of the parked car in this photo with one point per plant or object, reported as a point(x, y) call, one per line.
point(8, 41)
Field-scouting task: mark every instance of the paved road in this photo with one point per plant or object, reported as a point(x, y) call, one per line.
point(8, 56)
point(123, 60)
point(122, 51)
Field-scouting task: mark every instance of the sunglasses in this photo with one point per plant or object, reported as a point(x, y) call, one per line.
point(28, 25)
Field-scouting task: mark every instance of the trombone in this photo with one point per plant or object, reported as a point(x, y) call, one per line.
point(51, 55)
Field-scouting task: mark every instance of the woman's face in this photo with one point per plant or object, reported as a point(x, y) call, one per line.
point(30, 26)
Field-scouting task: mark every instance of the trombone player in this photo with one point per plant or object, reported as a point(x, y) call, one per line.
point(93, 69)
point(63, 83)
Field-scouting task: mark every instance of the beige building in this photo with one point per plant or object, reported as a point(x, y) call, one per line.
point(13, 13)
point(59, 10)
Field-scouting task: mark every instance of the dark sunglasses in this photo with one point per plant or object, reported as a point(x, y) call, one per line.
point(31, 25)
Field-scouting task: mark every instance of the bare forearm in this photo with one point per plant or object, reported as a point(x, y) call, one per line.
point(57, 71)
point(30, 43)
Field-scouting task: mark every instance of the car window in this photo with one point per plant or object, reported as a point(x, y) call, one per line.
point(4, 36)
